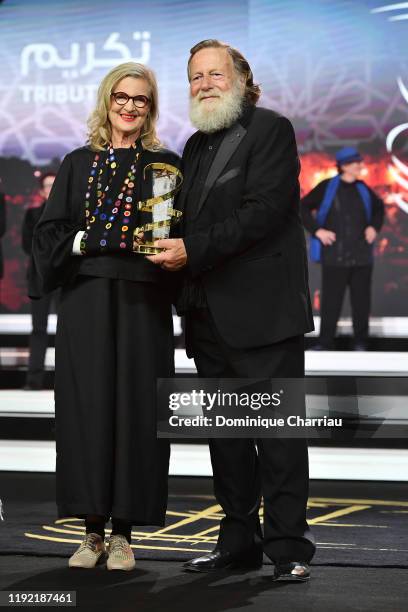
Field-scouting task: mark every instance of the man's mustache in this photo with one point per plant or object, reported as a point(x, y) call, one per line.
point(210, 95)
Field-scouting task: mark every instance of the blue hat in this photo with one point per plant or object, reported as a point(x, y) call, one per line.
point(346, 155)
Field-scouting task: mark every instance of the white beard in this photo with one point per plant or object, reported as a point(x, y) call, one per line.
point(218, 114)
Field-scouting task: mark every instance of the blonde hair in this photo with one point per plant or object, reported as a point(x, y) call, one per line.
point(241, 65)
point(99, 127)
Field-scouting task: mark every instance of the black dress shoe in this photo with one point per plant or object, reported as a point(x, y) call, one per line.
point(360, 346)
point(32, 387)
point(316, 347)
point(294, 571)
point(217, 560)
point(321, 347)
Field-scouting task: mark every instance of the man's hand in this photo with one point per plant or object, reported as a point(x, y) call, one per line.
point(173, 258)
point(326, 237)
point(370, 234)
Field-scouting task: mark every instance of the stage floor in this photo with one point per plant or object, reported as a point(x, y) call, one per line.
point(157, 586)
point(356, 567)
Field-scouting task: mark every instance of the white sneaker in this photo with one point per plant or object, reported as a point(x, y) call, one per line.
point(120, 554)
point(90, 552)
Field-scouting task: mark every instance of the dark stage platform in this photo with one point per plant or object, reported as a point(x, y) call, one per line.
point(360, 564)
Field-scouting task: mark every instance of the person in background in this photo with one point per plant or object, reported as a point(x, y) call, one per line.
point(2, 230)
point(348, 216)
point(39, 308)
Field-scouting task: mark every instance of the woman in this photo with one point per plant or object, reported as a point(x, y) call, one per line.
point(114, 335)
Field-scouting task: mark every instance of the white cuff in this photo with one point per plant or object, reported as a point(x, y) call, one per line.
point(76, 247)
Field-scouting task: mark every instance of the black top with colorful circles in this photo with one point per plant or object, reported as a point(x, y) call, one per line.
point(53, 264)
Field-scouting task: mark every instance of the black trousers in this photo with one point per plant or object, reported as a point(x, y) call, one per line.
point(38, 340)
point(114, 338)
point(245, 469)
point(335, 281)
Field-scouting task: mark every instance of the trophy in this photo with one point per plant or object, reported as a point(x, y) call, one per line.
point(165, 187)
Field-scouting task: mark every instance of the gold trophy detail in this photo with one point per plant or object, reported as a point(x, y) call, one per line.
point(165, 187)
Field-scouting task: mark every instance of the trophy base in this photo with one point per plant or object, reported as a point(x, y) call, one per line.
point(147, 249)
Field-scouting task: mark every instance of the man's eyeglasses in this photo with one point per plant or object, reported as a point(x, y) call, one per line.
point(122, 98)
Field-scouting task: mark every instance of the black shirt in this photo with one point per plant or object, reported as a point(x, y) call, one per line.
point(347, 218)
point(193, 295)
point(200, 167)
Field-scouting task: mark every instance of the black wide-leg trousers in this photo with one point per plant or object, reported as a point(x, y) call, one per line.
point(335, 280)
point(245, 470)
point(114, 338)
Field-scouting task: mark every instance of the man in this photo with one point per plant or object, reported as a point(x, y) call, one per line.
point(245, 298)
point(39, 308)
point(349, 216)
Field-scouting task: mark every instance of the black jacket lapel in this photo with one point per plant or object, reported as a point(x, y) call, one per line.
point(229, 144)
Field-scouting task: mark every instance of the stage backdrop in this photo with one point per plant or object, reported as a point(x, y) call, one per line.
point(338, 70)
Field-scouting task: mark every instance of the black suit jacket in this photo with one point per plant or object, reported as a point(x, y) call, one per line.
point(245, 238)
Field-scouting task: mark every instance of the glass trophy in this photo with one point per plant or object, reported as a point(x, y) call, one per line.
point(166, 180)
